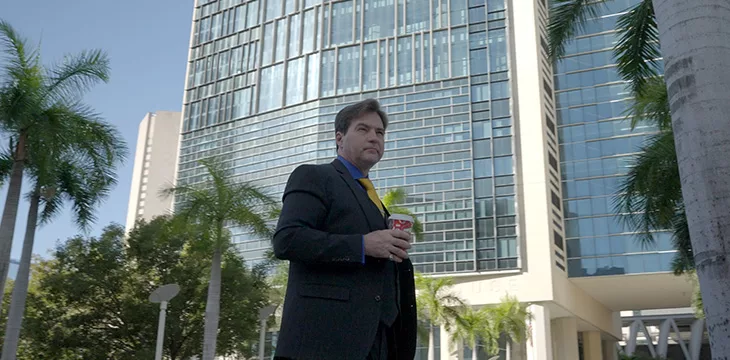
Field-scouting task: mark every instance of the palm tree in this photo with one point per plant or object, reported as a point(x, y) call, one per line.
point(472, 327)
point(508, 318)
point(488, 324)
point(392, 199)
point(84, 179)
point(697, 89)
point(40, 106)
point(437, 305)
point(214, 204)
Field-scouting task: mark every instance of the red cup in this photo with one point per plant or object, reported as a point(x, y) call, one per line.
point(401, 222)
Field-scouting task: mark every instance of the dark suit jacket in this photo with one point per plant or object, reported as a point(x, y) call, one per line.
point(332, 307)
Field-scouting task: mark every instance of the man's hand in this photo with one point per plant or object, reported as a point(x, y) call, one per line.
point(388, 243)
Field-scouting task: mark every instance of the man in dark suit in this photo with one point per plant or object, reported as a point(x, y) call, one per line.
point(351, 292)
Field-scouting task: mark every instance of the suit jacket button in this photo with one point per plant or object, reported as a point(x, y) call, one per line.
point(377, 297)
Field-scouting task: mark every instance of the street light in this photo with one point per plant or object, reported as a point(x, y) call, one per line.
point(264, 314)
point(162, 295)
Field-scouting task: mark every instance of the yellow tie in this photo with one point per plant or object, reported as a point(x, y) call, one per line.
point(372, 194)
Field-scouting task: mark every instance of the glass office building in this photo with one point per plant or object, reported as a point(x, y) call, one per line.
point(597, 146)
point(266, 78)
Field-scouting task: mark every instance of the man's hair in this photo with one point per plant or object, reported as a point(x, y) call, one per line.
point(344, 118)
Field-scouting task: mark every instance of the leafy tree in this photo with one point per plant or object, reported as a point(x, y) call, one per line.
point(211, 205)
point(41, 111)
point(91, 299)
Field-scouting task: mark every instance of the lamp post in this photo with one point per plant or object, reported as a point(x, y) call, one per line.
point(162, 295)
point(264, 314)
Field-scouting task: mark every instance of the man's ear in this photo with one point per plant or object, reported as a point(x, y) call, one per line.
point(338, 138)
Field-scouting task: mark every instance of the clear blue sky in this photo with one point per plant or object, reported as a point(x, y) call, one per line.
point(147, 41)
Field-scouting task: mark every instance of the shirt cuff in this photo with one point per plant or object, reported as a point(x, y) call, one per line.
point(363, 249)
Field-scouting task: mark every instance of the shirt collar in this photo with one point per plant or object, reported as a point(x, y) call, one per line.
point(354, 171)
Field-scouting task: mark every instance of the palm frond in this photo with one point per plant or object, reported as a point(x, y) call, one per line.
point(6, 162)
point(567, 19)
point(648, 197)
point(652, 104)
point(22, 62)
point(637, 50)
point(69, 80)
point(683, 261)
point(394, 197)
point(219, 201)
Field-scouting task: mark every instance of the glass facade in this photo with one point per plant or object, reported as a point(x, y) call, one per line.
point(266, 78)
point(596, 148)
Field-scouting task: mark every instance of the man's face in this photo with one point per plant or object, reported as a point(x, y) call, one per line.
point(364, 142)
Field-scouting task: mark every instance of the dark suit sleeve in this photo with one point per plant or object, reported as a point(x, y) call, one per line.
point(298, 236)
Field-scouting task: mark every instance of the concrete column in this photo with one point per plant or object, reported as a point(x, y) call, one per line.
point(695, 342)
point(449, 350)
point(610, 350)
point(565, 338)
point(592, 345)
point(664, 332)
point(539, 345)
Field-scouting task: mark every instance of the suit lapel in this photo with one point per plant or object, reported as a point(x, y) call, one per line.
point(372, 213)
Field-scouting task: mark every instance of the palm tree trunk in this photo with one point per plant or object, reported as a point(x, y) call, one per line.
point(20, 290)
point(696, 45)
point(431, 345)
point(475, 351)
point(10, 212)
point(212, 307)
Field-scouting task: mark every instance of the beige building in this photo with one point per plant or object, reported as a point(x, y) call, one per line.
point(155, 162)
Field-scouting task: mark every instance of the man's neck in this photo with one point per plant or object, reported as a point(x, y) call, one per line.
point(363, 171)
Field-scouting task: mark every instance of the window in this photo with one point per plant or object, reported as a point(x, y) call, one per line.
point(558, 240)
point(327, 87)
point(270, 94)
point(273, 9)
point(483, 188)
point(312, 76)
point(458, 12)
point(555, 199)
point(503, 146)
point(310, 26)
point(370, 66)
point(553, 162)
point(440, 55)
point(459, 52)
point(483, 168)
point(417, 17)
point(268, 40)
point(348, 70)
point(379, 20)
point(294, 32)
point(503, 166)
point(478, 61)
point(500, 90)
point(342, 22)
point(497, 50)
point(482, 130)
point(405, 60)
point(295, 81)
point(482, 148)
point(280, 40)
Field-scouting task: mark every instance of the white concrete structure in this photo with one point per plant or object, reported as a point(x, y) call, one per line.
point(155, 163)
